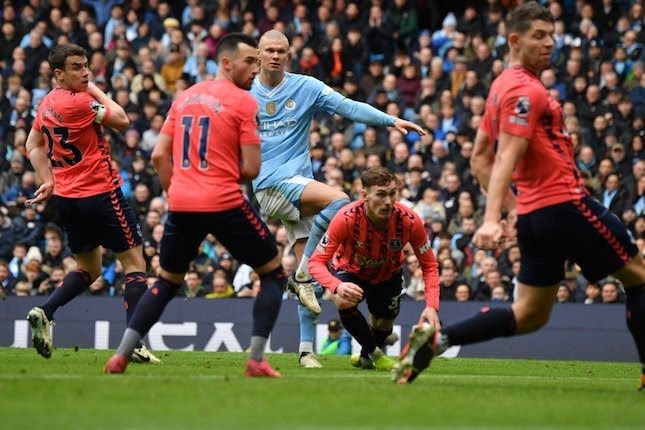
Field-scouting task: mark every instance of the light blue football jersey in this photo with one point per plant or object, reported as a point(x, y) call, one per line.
point(285, 114)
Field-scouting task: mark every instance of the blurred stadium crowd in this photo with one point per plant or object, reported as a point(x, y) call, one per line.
point(410, 58)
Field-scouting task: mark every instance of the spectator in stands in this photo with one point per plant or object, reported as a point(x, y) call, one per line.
point(462, 292)
point(338, 341)
point(6, 282)
point(563, 294)
point(7, 237)
point(193, 285)
point(613, 195)
point(413, 278)
point(611, 293)
point(28, 228)
point(221, 288)
point(593, 294)
point(173, 68)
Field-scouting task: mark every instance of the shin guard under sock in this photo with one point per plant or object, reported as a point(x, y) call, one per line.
point(151, 305)
point(356, 325)
point(488, 324)
point(268, 301)
point(135, 287)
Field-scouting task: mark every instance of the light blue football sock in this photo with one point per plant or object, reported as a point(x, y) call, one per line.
point(318, 229)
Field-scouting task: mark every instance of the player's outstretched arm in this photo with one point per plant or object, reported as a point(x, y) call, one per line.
point(362, 112)
point(40, 161)
point(405, 126)
point(117, 119)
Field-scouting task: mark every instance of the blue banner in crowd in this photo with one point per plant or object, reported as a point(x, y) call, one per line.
point(575, 332)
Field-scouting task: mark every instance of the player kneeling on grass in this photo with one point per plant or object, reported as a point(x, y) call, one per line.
point(364, 243)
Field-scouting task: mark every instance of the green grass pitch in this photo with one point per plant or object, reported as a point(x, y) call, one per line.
point(197, 390)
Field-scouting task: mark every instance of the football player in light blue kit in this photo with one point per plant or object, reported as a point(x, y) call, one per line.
point(285, 187)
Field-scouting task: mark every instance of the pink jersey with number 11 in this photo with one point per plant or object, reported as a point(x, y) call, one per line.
point(208, 122)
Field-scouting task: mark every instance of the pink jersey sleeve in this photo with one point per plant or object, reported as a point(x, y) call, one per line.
point(168, 127)
point(85, 109)
point(423, 250)
point(319, 261)
point(520, 111)
point(249, 127)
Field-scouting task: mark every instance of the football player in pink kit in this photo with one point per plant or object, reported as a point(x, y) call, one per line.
point(68, 151)
point(556, 218)
point(207, 146)
point(364, 243)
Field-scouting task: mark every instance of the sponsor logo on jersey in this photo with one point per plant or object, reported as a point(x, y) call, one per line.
point(276, 128)
point(395, 244)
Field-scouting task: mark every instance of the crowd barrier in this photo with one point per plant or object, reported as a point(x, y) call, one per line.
point(575, 331)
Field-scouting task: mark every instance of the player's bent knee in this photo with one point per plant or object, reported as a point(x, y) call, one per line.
point(269, 267)
point(383, 325)
point(342, 304)
point(633, 273)
point(132, 259)
point(530, 320)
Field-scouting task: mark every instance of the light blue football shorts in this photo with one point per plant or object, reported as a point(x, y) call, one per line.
point(282, 201)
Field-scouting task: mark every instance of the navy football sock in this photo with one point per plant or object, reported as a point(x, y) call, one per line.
point(135, 287)
point(379, 336)
point(74, 284)
point(267, 304)
point(356, 325)
point(151, 305)
point(635, 305)
point(488, 324)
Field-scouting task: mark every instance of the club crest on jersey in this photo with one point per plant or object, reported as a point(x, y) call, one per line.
point(522, 107)
point(395, 244)
point(271, 108)
point(290, 104)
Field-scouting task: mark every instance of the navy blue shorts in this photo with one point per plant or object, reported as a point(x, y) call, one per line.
point(383, 299)
point(105, 219)
point(240, 230)
point(582, 231)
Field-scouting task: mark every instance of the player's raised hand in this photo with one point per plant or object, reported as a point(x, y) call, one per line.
point(404, 126)
point(489, 235)
point(42, 193)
